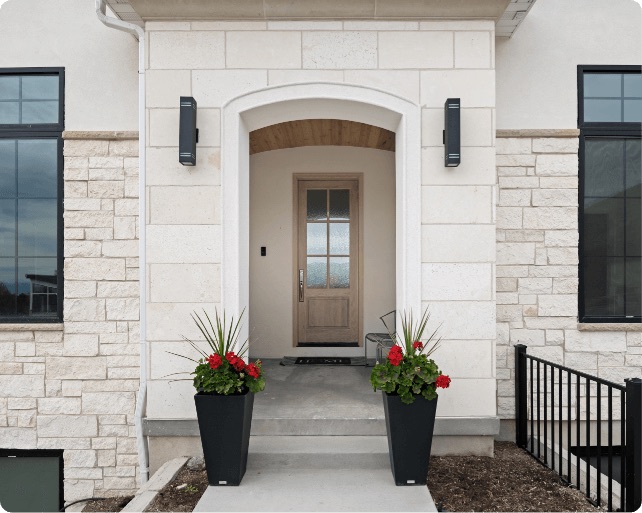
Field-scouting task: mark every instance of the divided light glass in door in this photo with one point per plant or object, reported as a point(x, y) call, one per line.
point(328, 263)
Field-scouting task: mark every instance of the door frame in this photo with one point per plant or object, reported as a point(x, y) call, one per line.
point(296, 178)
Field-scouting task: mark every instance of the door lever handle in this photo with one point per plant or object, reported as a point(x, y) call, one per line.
point(300, 285)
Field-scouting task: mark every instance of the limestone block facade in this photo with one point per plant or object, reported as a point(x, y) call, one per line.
point(537, 266)
point(73, 385)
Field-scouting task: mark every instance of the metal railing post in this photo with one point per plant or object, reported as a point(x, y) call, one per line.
point(633, 444)
point(521, 412)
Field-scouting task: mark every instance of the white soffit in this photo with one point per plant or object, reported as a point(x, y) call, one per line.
point(515, 12)
point(124, 11)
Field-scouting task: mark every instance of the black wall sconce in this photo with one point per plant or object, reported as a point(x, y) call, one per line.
point(452, 139)
point(188, 133)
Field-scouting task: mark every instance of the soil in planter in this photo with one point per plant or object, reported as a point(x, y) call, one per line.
point(109, 504)
point(511, 481)
point(176, 497)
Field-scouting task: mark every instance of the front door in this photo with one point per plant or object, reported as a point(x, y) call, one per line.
point(327, 272)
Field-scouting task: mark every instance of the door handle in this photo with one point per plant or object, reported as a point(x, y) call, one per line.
point(300, 285)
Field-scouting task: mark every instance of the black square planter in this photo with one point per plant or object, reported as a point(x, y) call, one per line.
point(409, 428)
point(224, 422)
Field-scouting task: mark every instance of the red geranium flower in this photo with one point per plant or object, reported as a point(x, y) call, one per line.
point(230, 357)
point(239, 364)
point(215, 361)
point(442, 381)
point(253, 370)
point(417, 345)
point(395, 355)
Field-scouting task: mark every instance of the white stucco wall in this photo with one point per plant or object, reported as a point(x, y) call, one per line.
point(537, 67)
point(271, 277)
point(101, 79)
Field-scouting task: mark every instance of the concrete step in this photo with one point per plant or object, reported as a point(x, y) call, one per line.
point(318, 452)
point(318, 427)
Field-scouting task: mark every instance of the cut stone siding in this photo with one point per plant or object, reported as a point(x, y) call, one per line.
point(537, 267)
point(73, 386)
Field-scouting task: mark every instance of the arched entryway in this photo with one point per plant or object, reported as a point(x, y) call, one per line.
point(281, 104)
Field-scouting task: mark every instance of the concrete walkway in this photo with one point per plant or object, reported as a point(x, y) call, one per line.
point(318, 444)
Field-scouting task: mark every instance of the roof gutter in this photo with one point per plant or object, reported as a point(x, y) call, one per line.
point(139, 34)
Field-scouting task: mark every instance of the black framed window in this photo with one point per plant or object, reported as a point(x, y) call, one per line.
point(610, 209)
point(31, 193)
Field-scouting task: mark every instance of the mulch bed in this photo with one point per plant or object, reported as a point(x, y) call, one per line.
point(511, 481)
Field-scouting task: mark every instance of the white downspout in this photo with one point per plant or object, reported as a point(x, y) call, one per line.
point(139, 33)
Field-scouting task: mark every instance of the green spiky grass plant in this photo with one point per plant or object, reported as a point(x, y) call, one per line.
point(408, 371)
point(223, 371)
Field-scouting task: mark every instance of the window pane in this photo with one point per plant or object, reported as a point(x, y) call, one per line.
point(37, 168)
point(340, 238)
point(37, 222)
point(633, 286)
point(604, 287)
point(40, 87)
point(603, 169)
point(603, 110)
point(7, 168)
point(9, 113)
point(633, 84)
point(339, 272)
point(39, 112)
point(7, 286)
point(602, 84)
point(633, 111)
point(317, 272)
point(633, 226)
point(317, 205)
point(317, 239)
point(340, 205)
point(33, 272)
point(604, 227)
point(9, 88)
point(633, 167)
point(7, 227)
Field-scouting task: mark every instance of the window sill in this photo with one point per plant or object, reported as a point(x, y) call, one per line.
point(33, 326)
point(609, 326)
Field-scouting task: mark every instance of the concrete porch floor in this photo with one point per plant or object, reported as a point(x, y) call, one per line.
point(318, 444)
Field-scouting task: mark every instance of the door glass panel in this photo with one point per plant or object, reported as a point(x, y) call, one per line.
point(317, 272)
point(317, 239)
point(602, 84)
point(340, 205)
point(339, 272)
point(339, 238)
point(317, 204)
point(633, 226)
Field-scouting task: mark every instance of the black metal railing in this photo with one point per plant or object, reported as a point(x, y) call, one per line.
point(548, 421)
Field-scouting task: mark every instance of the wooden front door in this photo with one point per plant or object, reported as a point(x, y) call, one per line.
point(327, 272)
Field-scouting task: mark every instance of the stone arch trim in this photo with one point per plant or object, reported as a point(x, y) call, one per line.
point(318, 100)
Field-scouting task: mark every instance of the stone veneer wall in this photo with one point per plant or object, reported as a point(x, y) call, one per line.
point(73, 386)
point(537, 266)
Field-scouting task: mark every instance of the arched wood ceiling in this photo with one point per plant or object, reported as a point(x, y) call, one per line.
point(320, 132)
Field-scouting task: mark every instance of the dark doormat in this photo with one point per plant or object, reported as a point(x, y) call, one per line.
point(323, 360)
